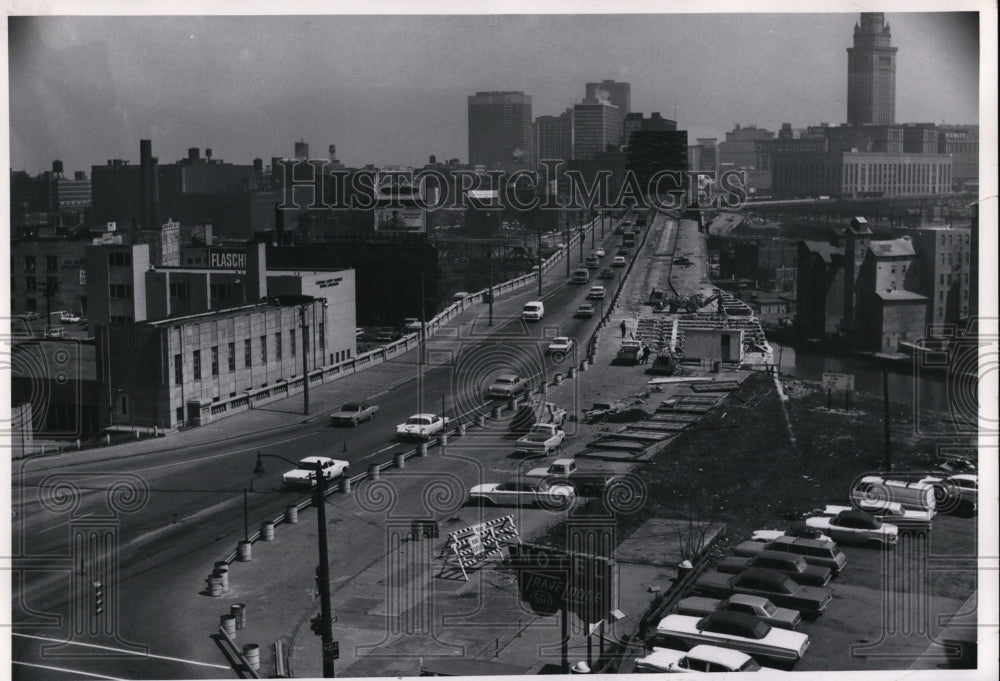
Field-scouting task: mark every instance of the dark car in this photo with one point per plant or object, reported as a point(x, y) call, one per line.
point(353, 413)
point(822, 553)
point(781, 589)
point(606, 273)
point(779, 561)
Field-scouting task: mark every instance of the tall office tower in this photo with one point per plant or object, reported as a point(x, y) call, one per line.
point(871, 73)
point(554, 137)
point(501, 134)
point(597, 126)
point(302, 150)
point(619, 94)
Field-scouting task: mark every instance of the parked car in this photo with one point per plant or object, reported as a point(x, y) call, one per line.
point(758, 606)
point(585, 482)
point(542, 438)
point(618, 261)
point(412, 325)
point(779, 561)
point(888, 512)
point(507, 385)
point(560, 346)
point(737, 631)
point(909, 493)
point(55, 332)
point(816, 552)
point(794, 530)
point(700, 659)
point(781, 589)
point(422, 427)
point(585, 311)
point(606, 273)
point(305, 474)
point(522, 493)
point(856, 527)
point(353, 413)
point(69, 318)
point(959, 492)
point(596, 293)
point(29, 316)
point(628, 353)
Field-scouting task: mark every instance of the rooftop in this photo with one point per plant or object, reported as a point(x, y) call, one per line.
point(900, 295)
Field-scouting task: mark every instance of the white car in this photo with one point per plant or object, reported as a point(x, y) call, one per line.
point(560, 346)
point(69, 318)
point(599, 252)
point(422, 427)
point(618, 261)
point(737, 631)
point(700, 659)
point(522, 492)
point(305, 474)
point(795, 530)
point(888, 512)
point(909, 493)
point(856, 527)
point(954, 491)
point(596, 293)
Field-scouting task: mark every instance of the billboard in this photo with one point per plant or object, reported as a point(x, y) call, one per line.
point(550, 579)
point(399, 219)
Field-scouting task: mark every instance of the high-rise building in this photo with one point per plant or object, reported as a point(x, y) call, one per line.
point(554, 136)
point(619, 94)
point(871, 73)
point(501, 134)
point(597, 125)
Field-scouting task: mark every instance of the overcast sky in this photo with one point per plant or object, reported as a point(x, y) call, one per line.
point(393, 89)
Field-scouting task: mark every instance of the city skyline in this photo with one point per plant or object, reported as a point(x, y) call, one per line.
point(235, 85)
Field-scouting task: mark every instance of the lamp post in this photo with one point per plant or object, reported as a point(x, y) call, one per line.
point(305, 361)
point(331, 649)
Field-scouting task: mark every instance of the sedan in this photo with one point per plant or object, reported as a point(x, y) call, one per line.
point(955, 492)
point(856, 527)
point(522, 492)
point(560, 346)
point(794, 530)
point(781, 589)
point(737, 631)
point(762, 608)
point(779, 561)
point(305, 474)
point(700, 659)
point(507, 385)
point(353, 413)
point(599, 252)
point(585, 311)
point(596, 293)
point(618, 261)
point(606, 273)
point(888, 512)
point(422, 427)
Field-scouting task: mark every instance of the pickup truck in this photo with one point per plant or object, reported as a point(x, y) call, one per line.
point(587, 483)
point(543, 438)
point(628, 353)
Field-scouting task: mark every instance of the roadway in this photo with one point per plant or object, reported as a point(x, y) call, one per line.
point(189, 503)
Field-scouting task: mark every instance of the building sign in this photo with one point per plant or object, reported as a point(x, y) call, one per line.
point(550, 579)
point(399, 219)
point(833, 381)
point(229, 259)
point(472, 545)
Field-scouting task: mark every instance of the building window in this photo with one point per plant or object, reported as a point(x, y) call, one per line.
point(51, 263)
point(29, 263)
point(30, 285)
point(277, 346)
point(247, 354)
point(940, 280)
point(232, 357)
point(940, 295)
point(940, 312)
point(178, 370)
point(119, 259)
point(215, 360)
point(893, 270)
point(263, 349)
point(181, 291)
point(120, 291)
point(196, 364)
point(322, 336)
point(291, 341)
point(219, 291)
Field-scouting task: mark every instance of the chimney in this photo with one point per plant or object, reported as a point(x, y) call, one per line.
point(154, 194)
point(145, 184)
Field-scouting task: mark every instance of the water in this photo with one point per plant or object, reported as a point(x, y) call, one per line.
point(931, 389)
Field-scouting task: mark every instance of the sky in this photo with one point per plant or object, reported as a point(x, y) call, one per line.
point(394, 89)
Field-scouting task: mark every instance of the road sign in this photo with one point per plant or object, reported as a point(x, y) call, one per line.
point(331, 650)
point(833, 381)
point(551, 579)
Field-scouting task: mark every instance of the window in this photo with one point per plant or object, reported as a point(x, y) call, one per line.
point(29, 263)
point(232, 356)
point(51, 263)
point(941, 280)
point(219, 291)
point(277, 345)
point(51, 284)
point(181, 291)
point(215, 360)
point(119, 259)
point(120, 291)
point(30, 285)
point(940, 295)
point(247, 355)
point(263, 348)
point(196, 364)
point(178, 370)
point(291, 341)
point(322, 336)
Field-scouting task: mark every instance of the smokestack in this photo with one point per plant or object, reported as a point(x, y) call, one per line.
point(154, 194)
point(145, 184)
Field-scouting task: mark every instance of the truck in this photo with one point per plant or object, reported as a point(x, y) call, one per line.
point(542, 438)
point(529, 414)
point(628, 353)
point(587, 483)
point(628, 239)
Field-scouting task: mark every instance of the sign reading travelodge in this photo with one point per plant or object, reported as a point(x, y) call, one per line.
point(550, 579)
point(227, 259)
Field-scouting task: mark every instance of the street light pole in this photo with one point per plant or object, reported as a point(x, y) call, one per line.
point(305, 362)
point(539, 260)
point(489, 267)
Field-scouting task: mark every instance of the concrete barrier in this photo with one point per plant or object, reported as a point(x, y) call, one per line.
point(243, 551)
point(215, 586)
point(345, 485)
point(374, 471)
point(399, 460)
point(291, 514)
point(228, 624)
point(480, 420)
point(223, 573)
point(558, 379)
point(267, 531)
point(461, 429)
point(238, 611)
point(443, 439)
point(422, 449)
point(571, 372)
point(497, 411)
point(251, 653)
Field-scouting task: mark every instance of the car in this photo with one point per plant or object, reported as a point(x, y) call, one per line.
point(628, 352)
point(794, 530)
point(359, 332)
point(618, 261)
point(700, 659)
point(507, 385)
point(29, 316)
point(305, 474)
point(353, 413)
point(522, 492)
point(55, 332)
point(734, 630)
point(779, 561)
point(624, 252)
point(560, 346)
point(585, 311)
point(856, 527)
point(412, 325)
point(816, 552)
point(781, 589)
point(955, 492)
point(758, 606)
point(599, 252)
point(606, 273)
point(888, 512)
point(461, 295)
point(910, 493)
point(422, 427)
point(596, 293)
point(69, 318)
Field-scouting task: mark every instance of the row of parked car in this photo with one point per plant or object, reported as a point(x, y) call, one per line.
point(749, 608)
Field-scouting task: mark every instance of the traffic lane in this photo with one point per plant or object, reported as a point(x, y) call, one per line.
point(890, 605)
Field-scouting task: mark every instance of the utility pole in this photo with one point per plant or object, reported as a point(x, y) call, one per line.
point(539, 260)
point(305, 362)
point(489, 268)
point(566, 237)
point(887, 460)
point(330, 648)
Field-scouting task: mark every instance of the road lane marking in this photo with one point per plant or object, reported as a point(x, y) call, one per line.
point(122, 650)
point(68, 671)
point(221, 454)
point(384, 449)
